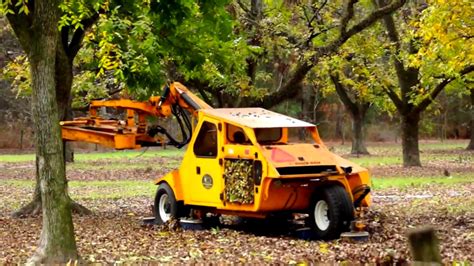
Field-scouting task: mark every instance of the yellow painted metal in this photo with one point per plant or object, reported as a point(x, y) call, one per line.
point(272, 195)
point(194, 169)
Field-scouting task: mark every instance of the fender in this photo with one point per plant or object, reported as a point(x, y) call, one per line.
point(174, 181)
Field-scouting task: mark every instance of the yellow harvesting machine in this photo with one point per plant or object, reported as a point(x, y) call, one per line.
point(238, 161)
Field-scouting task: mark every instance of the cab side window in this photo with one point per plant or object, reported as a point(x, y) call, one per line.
point(206, 141)
point(236, 135)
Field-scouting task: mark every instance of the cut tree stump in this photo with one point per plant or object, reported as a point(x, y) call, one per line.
point(424, 246)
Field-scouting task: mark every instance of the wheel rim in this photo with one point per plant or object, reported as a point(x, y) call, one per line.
point(321, 215)
point(164, 208)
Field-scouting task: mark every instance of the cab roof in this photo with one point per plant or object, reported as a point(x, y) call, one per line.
point(255, 117)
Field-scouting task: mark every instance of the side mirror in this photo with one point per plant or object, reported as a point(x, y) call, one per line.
point(257, 172)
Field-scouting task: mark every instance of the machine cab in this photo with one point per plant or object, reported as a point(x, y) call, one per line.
point(240, 158)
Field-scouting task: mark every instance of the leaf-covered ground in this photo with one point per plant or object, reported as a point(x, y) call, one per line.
point(119, 191)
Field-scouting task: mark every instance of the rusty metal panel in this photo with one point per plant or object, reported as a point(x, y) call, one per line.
point(256, 117)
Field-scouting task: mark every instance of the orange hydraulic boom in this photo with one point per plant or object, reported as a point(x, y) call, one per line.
point(133, 131)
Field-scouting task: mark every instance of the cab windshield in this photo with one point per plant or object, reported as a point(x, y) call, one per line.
point(268, 135)
point(278, 136)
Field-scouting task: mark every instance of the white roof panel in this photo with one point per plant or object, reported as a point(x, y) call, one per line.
point(256, 117)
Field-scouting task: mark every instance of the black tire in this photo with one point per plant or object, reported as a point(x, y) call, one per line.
point(339, 212)
point(170, 207)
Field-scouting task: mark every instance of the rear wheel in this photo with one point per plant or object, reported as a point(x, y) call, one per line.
point(331, 212)
point(166, 206)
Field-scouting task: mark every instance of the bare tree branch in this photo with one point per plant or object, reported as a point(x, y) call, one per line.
point(341, 91)
point(371, 19)
point(394, 97)
point(348, 15)
point(75, 44)
point(243, 6)
point(309, 21)
point(440, 87)
point(316, 34)
point(292, 87)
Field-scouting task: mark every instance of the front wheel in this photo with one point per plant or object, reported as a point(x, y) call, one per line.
point(331, 212)
point(165, 204)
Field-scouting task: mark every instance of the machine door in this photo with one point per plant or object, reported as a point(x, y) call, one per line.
point(207, 182)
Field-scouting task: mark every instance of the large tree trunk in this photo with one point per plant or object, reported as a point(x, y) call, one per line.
point(410, 127)
point(64, 78)
point(57, 243)
point(471, 143)
point(358, 136)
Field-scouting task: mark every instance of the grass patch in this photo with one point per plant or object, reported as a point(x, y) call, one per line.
point(133, 188)
point(16, 158)
point(121, 165)
point(459, 205)
point(98, 189)
point(395, 149)
point(405, 182)
point(446, 145)
point(127, 154)
point(371, 161)
point(380, 160)
point(111, 189)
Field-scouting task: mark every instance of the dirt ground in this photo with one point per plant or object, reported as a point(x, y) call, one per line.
point(114, 233)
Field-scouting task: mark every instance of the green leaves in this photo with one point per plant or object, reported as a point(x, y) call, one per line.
point(23, 7)
point(145, 43)
point(445, 32)
point(7, 7)
point(17, 72)
point(76, 11)
point(87, 87)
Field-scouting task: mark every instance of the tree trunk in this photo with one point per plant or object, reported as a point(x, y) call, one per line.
point(424, 246)
point(358, 139)
point(471, 143)
point(358, 110)
point(64, 78)
point(57, 243)
point(34, 207)
point(340, 124)
point(410, 127)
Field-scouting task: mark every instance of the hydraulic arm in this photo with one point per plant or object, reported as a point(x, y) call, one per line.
point(134, 131)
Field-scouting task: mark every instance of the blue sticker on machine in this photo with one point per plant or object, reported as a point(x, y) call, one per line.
point(207, 181)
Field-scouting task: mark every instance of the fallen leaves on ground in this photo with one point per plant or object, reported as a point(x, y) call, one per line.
point(103, 169)
point(115, 233)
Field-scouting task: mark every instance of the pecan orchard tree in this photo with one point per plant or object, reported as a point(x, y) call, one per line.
point(36, 26)
point(299, 38)
point(69, 38)
point(285, 41)
point(52, 34)
point(431, 46)
point(130, 43)
point(357, 73)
